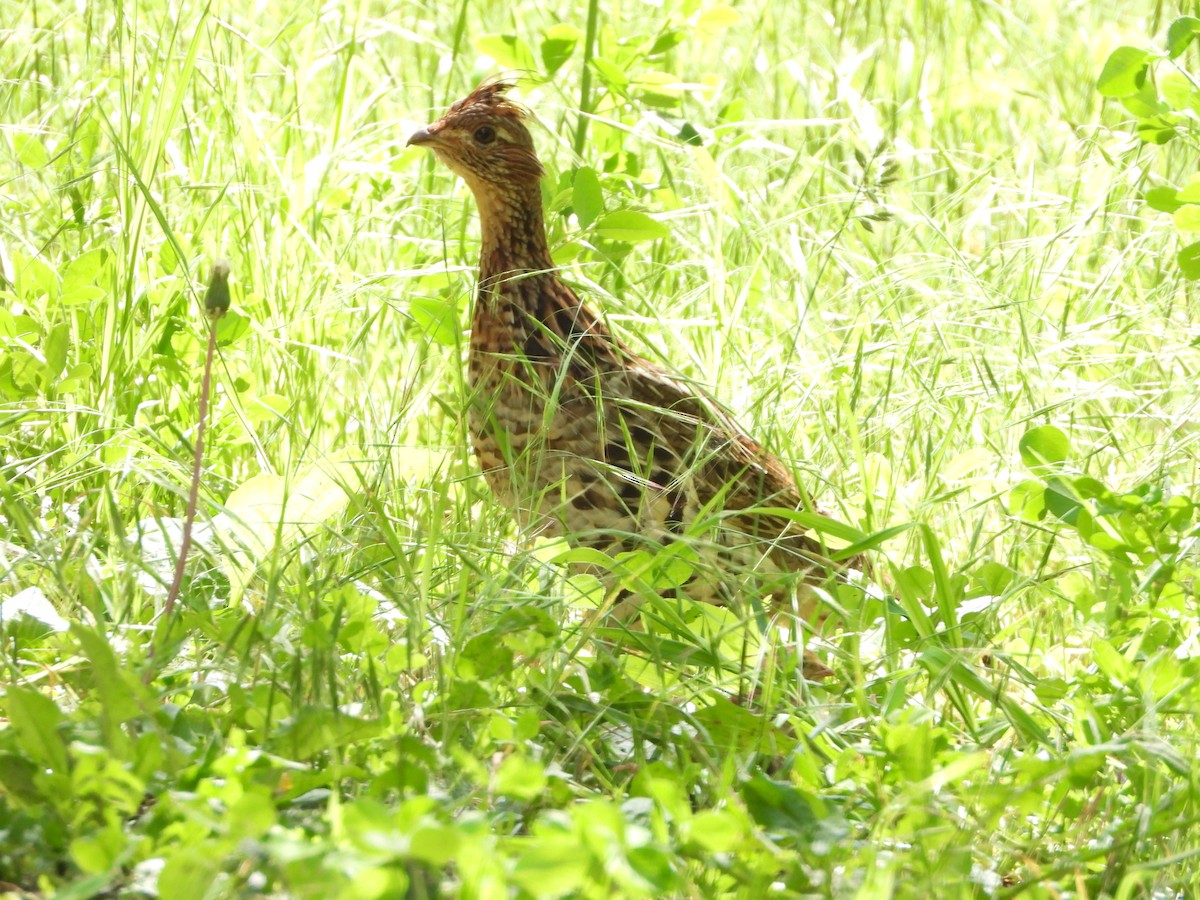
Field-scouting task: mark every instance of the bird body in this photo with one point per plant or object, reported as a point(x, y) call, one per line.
point(578, 435)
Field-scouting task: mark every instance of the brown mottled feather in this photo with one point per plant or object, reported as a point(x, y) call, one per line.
point(577, 434)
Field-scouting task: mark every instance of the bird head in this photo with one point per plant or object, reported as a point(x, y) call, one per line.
point(483, 139)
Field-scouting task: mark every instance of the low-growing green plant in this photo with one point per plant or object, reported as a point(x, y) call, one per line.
point(372, 684)
point(1164, 97)
point(1146, 534)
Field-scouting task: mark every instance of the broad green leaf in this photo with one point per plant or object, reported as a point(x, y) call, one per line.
point(437, 318)
point(662, 85)
point(35, 718)
point(1189, 261)
point(80, 372)
point(83, 270)
point(520, 778)
point(689, 135)
point(18, 778)
point(993, 577)
point(1124, 72)
point(28, 372)
point(662, 570)
point(1145, 103)
point(35, 278)
point(1190, 192)
point(552, 864)
point(1157, 130)
point(231, 327)
point(668, 40)
point(1027, 501)
point(611, 74)
point(28, 148)
point(25, 328)
point(189, 872)
point(1179, 512)
point(1102, 540)
point(587, 556)
point(586, 196)
point(54, 348)
point(1046, 446)
point(436, 845)
point(717, 831)
point(269, 511)
point(1163, 199)
point(269, 408)
point(118, 693)
point(98, 850)
point(1110, 661)
point(252, 815)
point(1062, 502)
point(958, 768)
point(81, 295)
point(1050, 689)
point(655, 866)
point(1187, 217)
point(631, 227)
point(508, 50)
point(717, 18)
point(1089, 488)
point(558, 43)
point(315, 731)
point(779, 807)
point(167, 258)
point(1178, 92)
point(1180, 34)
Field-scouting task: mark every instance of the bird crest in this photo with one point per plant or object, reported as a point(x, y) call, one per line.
point(491, 97)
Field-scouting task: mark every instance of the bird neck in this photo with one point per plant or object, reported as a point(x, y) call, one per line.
point(514, 233)
point(517, 273)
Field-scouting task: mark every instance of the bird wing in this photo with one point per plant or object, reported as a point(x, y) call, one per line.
point(663, 432)
point(725, 477)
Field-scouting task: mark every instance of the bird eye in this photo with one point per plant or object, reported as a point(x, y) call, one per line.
point(485, 134)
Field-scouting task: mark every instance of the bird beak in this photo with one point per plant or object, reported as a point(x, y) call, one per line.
point(421, 137)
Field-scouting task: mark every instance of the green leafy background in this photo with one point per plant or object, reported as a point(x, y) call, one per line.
point(921, 248)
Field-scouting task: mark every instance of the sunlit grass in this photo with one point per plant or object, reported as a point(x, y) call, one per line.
point(408, 645)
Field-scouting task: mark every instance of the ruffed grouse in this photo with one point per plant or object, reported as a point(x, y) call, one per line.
point(579, 436)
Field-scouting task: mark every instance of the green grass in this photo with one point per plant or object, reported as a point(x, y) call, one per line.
point(373, 683)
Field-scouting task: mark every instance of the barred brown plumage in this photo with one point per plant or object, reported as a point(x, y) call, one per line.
point(577, 434)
